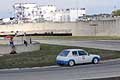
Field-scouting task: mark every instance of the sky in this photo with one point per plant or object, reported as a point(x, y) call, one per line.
point(92, 6)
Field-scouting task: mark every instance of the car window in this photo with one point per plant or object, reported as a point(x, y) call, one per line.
point(82, 53)
point(64, 53)
point(74, 53)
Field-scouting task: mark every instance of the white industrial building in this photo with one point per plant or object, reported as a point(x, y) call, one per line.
point(62, 16)
point(76, 13)
point(32, 12)
point(47, 12)
point(69, 15)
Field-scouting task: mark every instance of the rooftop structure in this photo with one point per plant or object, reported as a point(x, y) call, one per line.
point(25, 11)
point(34, 13)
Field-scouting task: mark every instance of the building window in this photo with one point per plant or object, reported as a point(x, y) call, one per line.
point(41, 16)
point(32, 12)
point(40, 12)
point(29, 14)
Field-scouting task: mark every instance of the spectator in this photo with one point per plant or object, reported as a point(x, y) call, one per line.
point(11, 42)
point(25, 42)
point(30, 40)
point(12, 46)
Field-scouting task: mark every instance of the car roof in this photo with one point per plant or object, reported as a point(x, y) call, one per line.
point(74, 49)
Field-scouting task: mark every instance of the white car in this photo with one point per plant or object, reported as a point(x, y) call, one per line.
point(76, 56)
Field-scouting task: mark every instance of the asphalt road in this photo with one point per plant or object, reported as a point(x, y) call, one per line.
point(100, 44)
point(78, 72)
point(86, 71)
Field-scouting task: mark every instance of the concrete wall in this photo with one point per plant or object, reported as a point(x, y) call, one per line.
point(77, 29)
point(109, 27)
point(37, 27)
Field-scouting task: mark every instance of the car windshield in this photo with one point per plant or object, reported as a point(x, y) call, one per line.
point(64, 53)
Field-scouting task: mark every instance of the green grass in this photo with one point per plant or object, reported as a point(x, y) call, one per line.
point(46, 56)
point(79, 37)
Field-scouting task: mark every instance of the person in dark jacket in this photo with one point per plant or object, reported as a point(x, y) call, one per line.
point(25, 42)
point(11, 42)
point(13, 51)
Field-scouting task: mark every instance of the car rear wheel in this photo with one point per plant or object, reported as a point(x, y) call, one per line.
point(95, 61)
point(71, 63)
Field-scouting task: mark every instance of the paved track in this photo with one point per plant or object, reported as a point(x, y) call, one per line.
point(79, 72)
point(100, 44)
point(87, 71)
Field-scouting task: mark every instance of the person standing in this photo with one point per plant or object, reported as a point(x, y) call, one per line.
point(12, 46)
point(25, 42)
point(30, 40)
point(11, 42)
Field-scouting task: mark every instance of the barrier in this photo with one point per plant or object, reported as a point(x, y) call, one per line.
point(19, 48)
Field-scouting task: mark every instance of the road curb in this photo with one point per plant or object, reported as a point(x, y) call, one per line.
point(14, 69)
point(100, 78)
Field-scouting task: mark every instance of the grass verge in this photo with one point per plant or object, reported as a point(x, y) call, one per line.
point(46, 56)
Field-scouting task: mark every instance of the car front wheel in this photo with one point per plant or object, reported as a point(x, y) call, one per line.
point(71, 63)
point(95, 61)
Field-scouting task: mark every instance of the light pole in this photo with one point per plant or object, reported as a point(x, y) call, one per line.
point(10, 16)
point(54, 11)
point(95, 30)
point(54, 3)
point(77, 7)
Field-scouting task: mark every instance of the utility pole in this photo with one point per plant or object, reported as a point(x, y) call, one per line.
point(77, 7)
point(114, 7)
point(54, 11)
point(54, 3)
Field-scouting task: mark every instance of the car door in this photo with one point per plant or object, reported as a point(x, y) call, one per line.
point(78, 59)
point(75, 56)
point(83, 56)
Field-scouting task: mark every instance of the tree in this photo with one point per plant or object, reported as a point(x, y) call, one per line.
point(116, 12)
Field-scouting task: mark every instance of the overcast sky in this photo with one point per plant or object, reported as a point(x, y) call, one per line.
point(92, 6)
